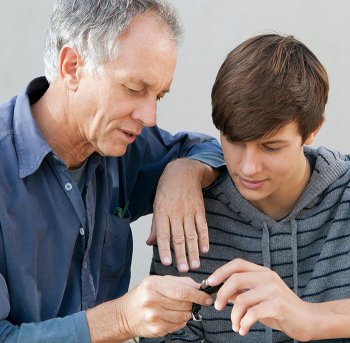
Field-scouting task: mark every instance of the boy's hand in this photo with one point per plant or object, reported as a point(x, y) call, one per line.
point(259, 294)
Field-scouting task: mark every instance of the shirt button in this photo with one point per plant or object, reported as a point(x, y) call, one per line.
point(68, 186)
point(84, 265)
point(82, 231)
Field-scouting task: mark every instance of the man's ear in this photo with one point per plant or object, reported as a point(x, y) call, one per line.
point(69, 63)
point(312, 135)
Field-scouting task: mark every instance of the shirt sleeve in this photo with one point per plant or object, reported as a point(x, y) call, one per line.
point(147, 157)
point(70, 329)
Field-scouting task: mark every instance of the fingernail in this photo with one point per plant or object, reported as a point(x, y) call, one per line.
point(209, 301)
point(234, 328)
point(183, 267)
point(205, 250)
point(195, 264)
point(167, 260)
point(217, 305)
point(211, 279)
point(241, 332)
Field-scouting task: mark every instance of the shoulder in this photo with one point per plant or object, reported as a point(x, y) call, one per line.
point(219, 185)
point(7, 144)
point(6, 118)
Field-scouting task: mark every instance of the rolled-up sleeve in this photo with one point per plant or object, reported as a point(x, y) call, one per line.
point(70, 329)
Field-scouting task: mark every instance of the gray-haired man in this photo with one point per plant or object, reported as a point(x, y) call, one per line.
point(80, 156)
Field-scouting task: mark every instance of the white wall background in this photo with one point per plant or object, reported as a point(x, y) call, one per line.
point(212, 29)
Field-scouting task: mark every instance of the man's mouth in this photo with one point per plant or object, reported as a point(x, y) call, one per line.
point(128, 134)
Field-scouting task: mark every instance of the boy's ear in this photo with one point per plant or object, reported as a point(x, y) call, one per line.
point(69, 64)
point(312, 135)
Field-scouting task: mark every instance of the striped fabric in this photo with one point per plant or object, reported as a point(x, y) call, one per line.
point(309, 249)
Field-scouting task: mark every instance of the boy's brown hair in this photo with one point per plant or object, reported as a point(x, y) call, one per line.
point(265, 83)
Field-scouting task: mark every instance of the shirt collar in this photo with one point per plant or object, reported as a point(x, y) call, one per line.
point(31, 147)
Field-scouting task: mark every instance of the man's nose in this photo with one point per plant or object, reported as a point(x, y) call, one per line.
point(146, 113)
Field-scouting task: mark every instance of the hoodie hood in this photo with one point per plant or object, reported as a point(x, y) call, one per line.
point(327, 166)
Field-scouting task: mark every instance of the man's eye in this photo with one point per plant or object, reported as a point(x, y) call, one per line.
point(136, 92)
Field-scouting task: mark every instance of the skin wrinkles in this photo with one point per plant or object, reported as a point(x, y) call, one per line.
point(105, 113)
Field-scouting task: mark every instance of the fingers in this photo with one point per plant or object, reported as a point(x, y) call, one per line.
point(159, 305)
point(235, 266)
point(177, 289)
point(235, 285)
point(191, 241)
point(242, 303)
point(254, 314)
point(159, 321)
point(202, 230)
point(184, 279)
point(152, 238)
point(179, 209)
point(161, 225)
point(184, 235)
point(179, 243)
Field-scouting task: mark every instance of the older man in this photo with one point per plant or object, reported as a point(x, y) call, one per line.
point(81, 157)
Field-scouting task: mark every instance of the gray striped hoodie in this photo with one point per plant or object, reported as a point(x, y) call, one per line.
point(309, 248)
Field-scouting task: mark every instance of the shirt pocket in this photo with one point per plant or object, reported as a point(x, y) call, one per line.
point(117, 248)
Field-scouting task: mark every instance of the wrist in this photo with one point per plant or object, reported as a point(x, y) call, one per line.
point(205, 174)
point(330, 320)
point(123, 327)
point(106, 323)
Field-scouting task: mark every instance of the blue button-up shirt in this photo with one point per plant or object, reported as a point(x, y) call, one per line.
point(63, 251)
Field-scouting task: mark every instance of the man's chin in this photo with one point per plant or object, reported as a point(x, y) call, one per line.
point(116, 152)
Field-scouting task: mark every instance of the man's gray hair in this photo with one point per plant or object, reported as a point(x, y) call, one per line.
point(92, 27)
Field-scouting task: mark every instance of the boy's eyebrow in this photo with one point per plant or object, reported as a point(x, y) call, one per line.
point(274, 141)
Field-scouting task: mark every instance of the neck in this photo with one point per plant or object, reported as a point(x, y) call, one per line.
point(51, 115)
point(281, 204)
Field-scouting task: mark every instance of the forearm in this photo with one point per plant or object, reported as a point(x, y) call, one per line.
point(106, 323)
point(331, 320)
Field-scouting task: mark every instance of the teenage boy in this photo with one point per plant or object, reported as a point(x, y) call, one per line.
point(279, 215)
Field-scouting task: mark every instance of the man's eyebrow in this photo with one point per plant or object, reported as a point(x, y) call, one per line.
point(147, 85)
point(166, 91)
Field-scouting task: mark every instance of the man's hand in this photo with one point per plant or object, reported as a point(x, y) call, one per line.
point(158, 306)
point(179, 214)
point(259, 294)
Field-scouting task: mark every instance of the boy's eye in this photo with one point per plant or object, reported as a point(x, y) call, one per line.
point(270, 148)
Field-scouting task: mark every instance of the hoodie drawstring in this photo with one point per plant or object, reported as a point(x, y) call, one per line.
point(294, 247)
point(267, 263)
